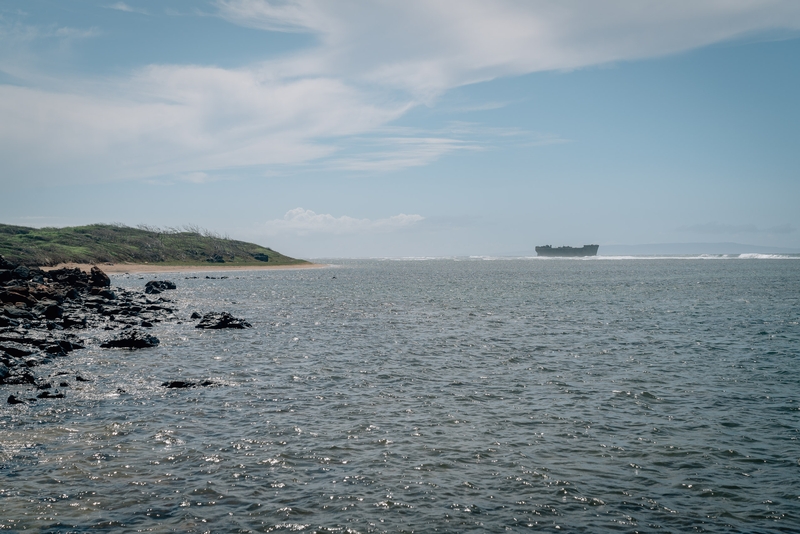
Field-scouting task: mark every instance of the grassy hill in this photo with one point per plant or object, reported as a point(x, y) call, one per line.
point(114, 243)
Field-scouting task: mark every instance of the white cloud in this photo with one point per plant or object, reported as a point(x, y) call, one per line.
point(426, 47)
point(122, 6)
point(330, 103)
point(303, 222)
point(167, 120)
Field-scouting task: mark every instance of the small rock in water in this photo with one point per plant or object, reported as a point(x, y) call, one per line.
point(48, 395)
point(14, 400)
point(131, 339)
point(182, 384)
point(195, 315)
point(153, 287)
point(178, 384)
point(216, 320)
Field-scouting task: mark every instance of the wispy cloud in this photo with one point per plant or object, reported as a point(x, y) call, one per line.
point(720, 228)
point(330, 104)
point(173, 120)
point(458, 42)
point(122, 6)
point(391, 149)
point(393, 153)
point(303, 222)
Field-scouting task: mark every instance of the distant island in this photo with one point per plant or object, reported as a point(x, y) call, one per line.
point(567, 252)
point(117, 243)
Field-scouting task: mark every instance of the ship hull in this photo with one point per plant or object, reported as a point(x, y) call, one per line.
point(567, 252)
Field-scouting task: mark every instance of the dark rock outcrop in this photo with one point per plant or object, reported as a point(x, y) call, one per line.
point(131, 339)
point(261, 257)
point(215, 320)
point(153, 287)
point(42, 313)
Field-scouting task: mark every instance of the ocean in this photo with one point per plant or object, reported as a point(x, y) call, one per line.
point(432, 395)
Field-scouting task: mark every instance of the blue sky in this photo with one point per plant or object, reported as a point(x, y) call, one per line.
point(415, 128)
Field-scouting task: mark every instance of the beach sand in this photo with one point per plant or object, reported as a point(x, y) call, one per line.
point(118, 268)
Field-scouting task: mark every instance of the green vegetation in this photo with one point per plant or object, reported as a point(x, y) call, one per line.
point(116, 243)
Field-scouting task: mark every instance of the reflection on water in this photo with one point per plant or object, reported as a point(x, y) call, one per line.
point(433, 395)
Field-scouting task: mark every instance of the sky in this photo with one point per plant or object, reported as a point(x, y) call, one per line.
point(328, 128)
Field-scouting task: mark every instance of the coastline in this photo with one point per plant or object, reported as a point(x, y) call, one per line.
point(138, 268)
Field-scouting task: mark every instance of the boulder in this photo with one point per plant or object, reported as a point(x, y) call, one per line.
point(105, 293)
point(261, 257)
point(5, 264)
point(18, 377)
point(153, 287)
point(14, 400)
point(17, 294)
point(74, 321)
point(98, 278)
point(131, 339)
point(70, 277)
point(7, 321)
point(17, 350)
point(22, 273)
point(46, 292)
point(53, 311)
point(13, 312)
point(215, 320)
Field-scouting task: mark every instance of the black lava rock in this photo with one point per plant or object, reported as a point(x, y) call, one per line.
point(48, 395)
point(216, 320)
point(131, 339)
point(53, 311)
point(98, 278)
point(153, 287)
point(182, 384)
point(22, 272)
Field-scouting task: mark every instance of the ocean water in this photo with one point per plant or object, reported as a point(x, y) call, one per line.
point(586, 395)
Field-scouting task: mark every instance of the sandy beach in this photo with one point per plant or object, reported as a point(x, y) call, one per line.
point(118, 268)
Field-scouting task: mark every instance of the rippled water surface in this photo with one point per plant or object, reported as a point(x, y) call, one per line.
point(453, 396)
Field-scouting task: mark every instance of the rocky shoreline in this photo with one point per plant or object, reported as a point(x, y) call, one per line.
point(45, 315)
